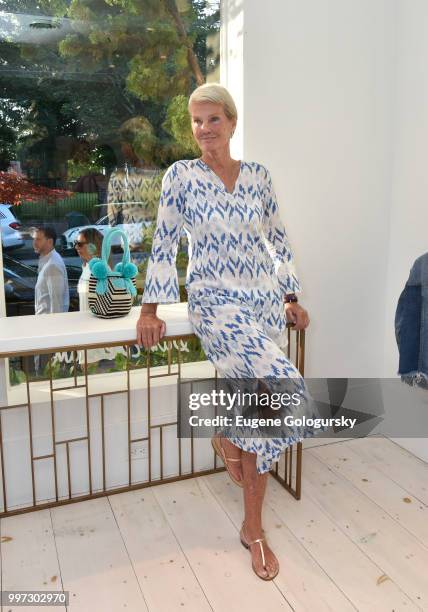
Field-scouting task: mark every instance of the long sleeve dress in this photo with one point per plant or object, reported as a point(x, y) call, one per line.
point(240, 267)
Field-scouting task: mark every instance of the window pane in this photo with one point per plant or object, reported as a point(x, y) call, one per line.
point(93, 110)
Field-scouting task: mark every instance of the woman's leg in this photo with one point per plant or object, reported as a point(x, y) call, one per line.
point(254, 492)
point(232, 452)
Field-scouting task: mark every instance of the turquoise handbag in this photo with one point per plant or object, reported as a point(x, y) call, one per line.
point(112, 292)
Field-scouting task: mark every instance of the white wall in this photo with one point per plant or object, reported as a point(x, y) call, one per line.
point(336, 105)
point(231, 63)
point(317, 78)
point(409, 186)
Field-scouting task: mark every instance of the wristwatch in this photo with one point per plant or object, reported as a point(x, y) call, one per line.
point(290, 297)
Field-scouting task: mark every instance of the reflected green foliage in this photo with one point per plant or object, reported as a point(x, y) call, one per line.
point(177, 124)
point(85, 203)
point(16, 376)
point(190, 352)
point(118, 60)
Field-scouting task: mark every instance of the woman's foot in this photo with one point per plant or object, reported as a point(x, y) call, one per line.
point(264, 562)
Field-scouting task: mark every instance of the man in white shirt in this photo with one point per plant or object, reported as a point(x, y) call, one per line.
point(51, 291)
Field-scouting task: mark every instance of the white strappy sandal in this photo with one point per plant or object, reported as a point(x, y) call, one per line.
point(259, 541)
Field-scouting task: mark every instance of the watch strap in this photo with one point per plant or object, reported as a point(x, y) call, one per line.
point(290, 297)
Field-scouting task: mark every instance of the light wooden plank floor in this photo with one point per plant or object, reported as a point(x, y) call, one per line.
point(357, 540)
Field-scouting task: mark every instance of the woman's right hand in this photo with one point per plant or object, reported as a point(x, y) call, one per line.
point(150, 329)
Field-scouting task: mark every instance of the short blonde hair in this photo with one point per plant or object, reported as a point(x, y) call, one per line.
point(214, 92)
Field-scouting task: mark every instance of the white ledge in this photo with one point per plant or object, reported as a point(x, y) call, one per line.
point(71, 329)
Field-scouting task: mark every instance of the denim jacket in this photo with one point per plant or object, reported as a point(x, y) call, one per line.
point(411, 326)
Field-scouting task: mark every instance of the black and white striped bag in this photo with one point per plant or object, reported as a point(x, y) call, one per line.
point(112, 292)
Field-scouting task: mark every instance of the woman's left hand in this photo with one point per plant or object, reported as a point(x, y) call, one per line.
point(297, 315)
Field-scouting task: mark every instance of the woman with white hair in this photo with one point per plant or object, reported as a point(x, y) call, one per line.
point(241, 286)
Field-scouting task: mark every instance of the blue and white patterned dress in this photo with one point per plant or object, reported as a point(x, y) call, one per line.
point(240, 268)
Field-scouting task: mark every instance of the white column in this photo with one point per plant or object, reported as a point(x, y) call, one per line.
point(232, 64)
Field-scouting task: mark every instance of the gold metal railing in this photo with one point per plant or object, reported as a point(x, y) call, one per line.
point(287, 471)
